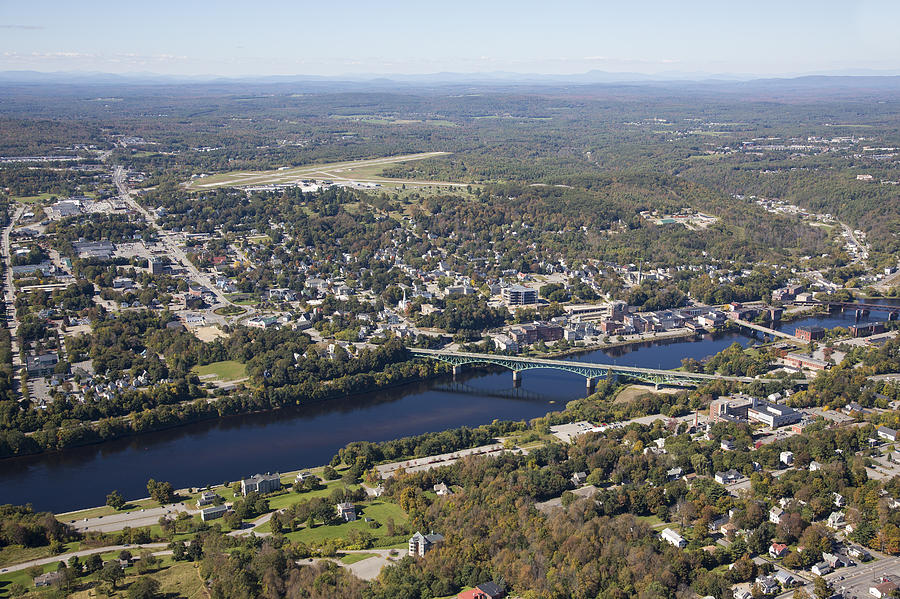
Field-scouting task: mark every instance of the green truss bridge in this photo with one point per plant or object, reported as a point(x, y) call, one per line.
point(589, 370)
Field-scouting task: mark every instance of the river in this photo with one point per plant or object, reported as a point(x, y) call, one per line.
point(228, 449)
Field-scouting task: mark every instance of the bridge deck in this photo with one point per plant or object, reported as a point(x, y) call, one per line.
point(584, 368)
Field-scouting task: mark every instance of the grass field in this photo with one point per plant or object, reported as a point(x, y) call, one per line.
point(357, 170)
point(33, 199)
point(227, 370)
point(378, 510)
point(352, 558)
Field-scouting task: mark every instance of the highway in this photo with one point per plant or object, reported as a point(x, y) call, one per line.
point(132, 519)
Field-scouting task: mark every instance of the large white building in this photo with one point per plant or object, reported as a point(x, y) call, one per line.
point(773, 415)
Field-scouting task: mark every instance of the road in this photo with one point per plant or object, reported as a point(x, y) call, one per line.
point(9, 290)
point(168, 239)
point(134, 549)
point(133, 519)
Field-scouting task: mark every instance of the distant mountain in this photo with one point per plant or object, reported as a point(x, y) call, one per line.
point(685, 81)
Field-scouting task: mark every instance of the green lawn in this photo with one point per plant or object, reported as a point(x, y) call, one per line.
point(282, 501)
point(378, 510)
point(352, 558)
point(105, 510)
point(34, 199)
point(226, 370)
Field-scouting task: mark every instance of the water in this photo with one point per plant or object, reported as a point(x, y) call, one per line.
point(227, 449)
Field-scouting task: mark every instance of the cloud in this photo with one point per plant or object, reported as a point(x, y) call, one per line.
point(30, 27)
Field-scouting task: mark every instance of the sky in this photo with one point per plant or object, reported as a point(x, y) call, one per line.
point(350, 37)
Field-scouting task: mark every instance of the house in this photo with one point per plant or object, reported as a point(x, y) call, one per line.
point(728, 477)
point(211, 513)
point(785, 579)
point(859, 553)
point(727, 445)
point(886, 433)
point(767, 585)
point(261, 483)
point(442, 489)
point(578, 478)
point(885, 589)
point(302, 477)
point(207, 498)
point(814, 466)
point(486, 590)
point(777, 550)
point(787, 458)
point(821, 569)
point(674, 474)
point(346, 511)
point(672, 537)
point(834, 561)
point(776, 514)
point(420, 544)
point(49, 578)
point(839, 500)
point(836, 520)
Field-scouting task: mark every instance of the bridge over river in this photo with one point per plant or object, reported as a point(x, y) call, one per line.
point(590, 371)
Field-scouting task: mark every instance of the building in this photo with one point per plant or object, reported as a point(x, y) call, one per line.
point(346, 511)
point(786, 458)
point(728, 477)
point(261, 483)
point(519, 295)
point(730, 407)
point(42, 365)
point(486, 590)
point(578, 478)
point(804, 361)
point(785, 579)
point(155, 266)
point(207, 498)
point(888, 434)
point(836, 520)
point(776, 514)
point(821, 569)
point(809, 333)
point(777, 550)
point(885, 589)
point(49, 578)
point(866, 330)
point(302, 477)
point(262, 322)
point(420, 544)
point(442, 489)
point(672, 537)
point(94, 249)
point(527, 334)
point(773, 415)
point(211, 513)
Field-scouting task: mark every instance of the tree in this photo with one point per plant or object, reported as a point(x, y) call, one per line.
point(112, 573)
point(161, 492)
point(115, 500)
point(144, 588)
point(821, 588)
point(800, 593)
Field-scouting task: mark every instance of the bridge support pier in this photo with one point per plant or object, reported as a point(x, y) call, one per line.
point(892, 315)
point(591, 384)
point(517, 378)
point(456, 370)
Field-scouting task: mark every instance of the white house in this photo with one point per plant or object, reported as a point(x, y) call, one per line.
point(672, 537)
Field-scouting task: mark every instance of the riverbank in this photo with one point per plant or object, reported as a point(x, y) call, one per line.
point(192, 412)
